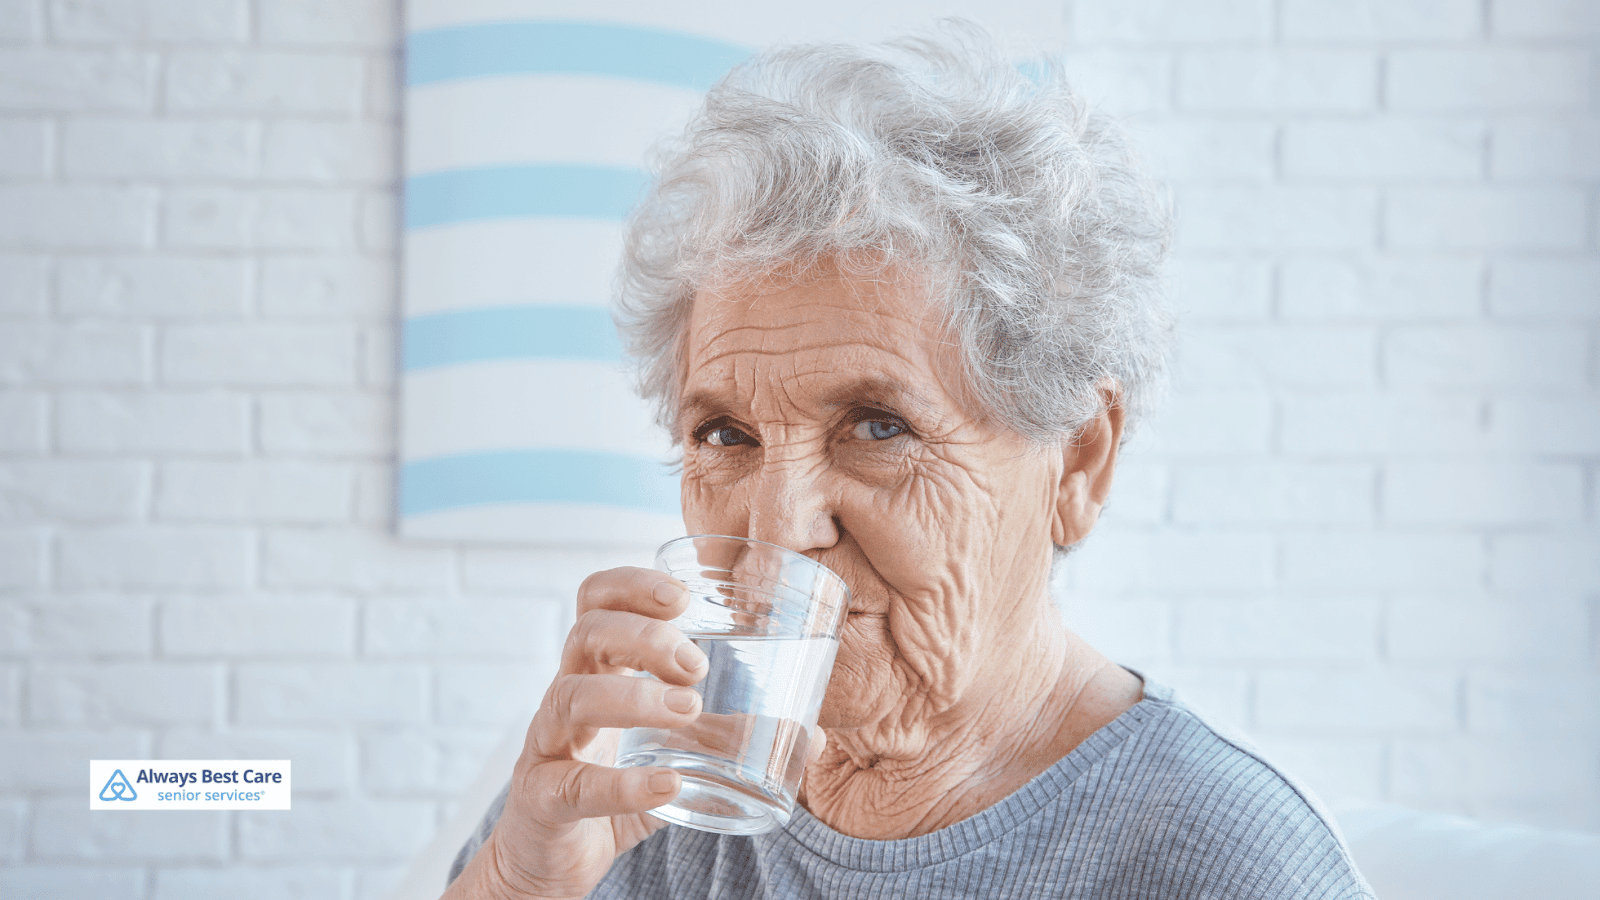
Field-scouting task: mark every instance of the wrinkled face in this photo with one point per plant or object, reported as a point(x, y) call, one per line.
point(829, 417)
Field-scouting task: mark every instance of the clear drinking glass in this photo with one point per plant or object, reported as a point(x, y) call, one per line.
point(768, 620)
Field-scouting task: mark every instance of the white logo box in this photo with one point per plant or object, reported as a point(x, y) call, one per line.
point(178, 784)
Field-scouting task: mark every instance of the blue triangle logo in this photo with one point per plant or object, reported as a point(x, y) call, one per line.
point(118, 788)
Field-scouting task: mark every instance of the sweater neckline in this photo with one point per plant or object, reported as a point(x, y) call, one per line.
point(975, 831)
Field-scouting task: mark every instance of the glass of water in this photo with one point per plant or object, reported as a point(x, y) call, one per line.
point(768, 620)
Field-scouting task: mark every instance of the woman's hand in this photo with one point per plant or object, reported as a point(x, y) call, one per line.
point(569, 813)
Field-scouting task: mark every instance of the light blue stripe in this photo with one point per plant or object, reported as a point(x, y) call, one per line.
point(537, 476)
point(511, 332)
point(510, 192)
point(568, 48)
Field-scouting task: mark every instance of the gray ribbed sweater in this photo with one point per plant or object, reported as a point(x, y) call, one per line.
point(1157, 804)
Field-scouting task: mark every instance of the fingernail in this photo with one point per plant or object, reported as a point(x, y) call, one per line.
point(666, 593)
point(690, 657)
point(663, 783)
point(682, 700)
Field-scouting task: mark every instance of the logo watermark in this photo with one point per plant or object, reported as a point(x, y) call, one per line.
point(189, 784)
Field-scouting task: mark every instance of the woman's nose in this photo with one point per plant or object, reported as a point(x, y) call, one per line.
point(791, 507)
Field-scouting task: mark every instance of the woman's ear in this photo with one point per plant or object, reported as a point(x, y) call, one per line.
point(1090, 458)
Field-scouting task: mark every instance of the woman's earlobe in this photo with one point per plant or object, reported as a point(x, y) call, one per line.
point(1090, 461)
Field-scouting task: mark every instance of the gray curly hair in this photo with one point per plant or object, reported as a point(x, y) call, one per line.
point(1028, 216)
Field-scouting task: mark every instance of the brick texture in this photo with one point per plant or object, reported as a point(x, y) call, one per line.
point(1365, 527)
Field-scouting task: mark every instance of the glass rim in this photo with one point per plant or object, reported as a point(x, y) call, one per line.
point(818, 566)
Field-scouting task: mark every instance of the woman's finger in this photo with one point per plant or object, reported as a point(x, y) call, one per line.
point(576, 706)
point(562, 792)
point(605, 640)
point(631, 589)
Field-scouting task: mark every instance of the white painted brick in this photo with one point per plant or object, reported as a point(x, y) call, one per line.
point(1567, 562)
point(1208, 150)
point(146, 286)
point(379, 356)
point(1211, 289)
point(1518, 703)
point(263, 81)
point(153, 556)
point(21, 21)
point(69, 830)
point(1385, 150)
point(259, 491)
point(23, 422)
point(1335, 769)
point(77, 216)
point(1389, 288)
point(13, 831)
point(24, 148)
point(1356, 701)
point(330, 694)
point(51, 759)
point(1269, 356)
point(1273, 492)
point(15, 627)
point(1141, 495)
point(270, 218)
point(1203, 422)
point(231, 628)
point(1301, 80)
point(285, 882)
point(474, 628)
point(1147, 21)
point(542, 573)
point(1378, 21)
point(495, 695)
point(323, 758)
point(367, 23)
point(1545, 149)
point(152, 422)
point(374, 494)
point(378, 220)
point(186, 150)
point(24, 284)
point(259, 353)
point(1133, 631)
point(1545, 425)
point(24, 559)
point(341, 830)
point(1425, 772)
point(1383, 560)
point(1382, 424)
point(124, 693)
point(1495, 494)
point(1456, 629)
point(1491, 78)
point(73, 625)
point(1481, 218)
point(1494, 358)
point(385, 82)
point(1173, 561)
point(326, 422)
point(377, 882)
point(99, 882)
point(10, 710)
point(87, 353)
point(298, 150)
point(1561, 19)
point(1123, 82)
point(1556, 288)
point(73, 490)
point(1286, 630)
point(328, 287)
point(361, 560)
point(161, 20)
point(411, 762)
point(69, 80)
point(1299, 218)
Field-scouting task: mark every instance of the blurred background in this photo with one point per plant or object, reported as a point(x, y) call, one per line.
point(1365, 528)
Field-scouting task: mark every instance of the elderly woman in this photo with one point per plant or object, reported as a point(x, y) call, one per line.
point(899, 309)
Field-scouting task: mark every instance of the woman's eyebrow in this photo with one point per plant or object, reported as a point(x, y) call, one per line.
point(893, 393)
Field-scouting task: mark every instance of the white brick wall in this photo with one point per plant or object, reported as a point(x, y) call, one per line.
point(1366, 527)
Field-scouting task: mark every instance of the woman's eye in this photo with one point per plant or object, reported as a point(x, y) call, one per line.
point(726, 436)
point(877, 430)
